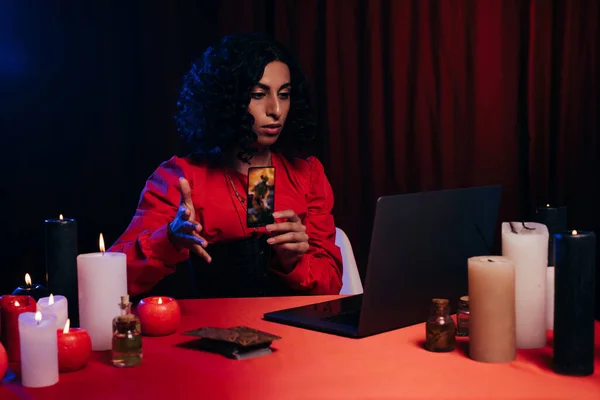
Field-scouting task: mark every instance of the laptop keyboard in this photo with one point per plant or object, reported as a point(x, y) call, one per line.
point(347, 318)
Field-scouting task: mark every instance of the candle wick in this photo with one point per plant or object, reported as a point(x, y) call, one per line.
point(526, 227)
point(512, 228)
point(490, 260)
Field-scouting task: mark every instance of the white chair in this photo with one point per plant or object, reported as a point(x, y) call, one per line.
point(351, 283)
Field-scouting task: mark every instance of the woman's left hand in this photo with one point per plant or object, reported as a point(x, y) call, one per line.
point(289, 240)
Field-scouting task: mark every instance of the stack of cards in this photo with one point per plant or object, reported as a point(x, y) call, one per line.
point(239, 342)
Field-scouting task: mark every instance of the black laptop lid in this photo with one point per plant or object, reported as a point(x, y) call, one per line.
point(419, 250)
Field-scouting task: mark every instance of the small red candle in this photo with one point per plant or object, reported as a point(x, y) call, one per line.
point(74, 348)
point(10, 308)
point(159, 316)
point(3, 362)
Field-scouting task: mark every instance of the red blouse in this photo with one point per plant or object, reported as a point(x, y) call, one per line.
point(300, 185)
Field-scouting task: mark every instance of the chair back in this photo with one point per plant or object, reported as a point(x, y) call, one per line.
point(351, 283)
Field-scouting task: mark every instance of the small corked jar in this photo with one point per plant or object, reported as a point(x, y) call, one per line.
point(440, 328)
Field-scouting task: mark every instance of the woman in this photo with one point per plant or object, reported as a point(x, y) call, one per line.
point(244, 104)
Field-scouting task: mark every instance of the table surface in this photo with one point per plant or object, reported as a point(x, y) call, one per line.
point(310, 365)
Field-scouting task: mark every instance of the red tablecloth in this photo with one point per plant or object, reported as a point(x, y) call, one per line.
point(311, 365)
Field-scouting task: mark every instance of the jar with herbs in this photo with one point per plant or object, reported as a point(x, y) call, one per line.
point(440, 328)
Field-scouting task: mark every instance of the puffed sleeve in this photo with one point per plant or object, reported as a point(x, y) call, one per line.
point(150, 254)
point(319, 271)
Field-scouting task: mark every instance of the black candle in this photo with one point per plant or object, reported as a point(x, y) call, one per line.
point(34, 290)
point(555, 218)
point(61, 261)
point(574, 303)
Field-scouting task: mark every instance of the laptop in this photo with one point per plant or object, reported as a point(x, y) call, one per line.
point(419, 249)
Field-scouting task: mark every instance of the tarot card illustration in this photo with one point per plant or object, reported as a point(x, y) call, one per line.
point(261, 196)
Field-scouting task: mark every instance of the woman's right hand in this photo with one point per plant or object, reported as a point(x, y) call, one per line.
point(184, 230)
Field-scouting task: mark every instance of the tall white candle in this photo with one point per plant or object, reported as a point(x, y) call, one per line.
point(102, 280)
point(527, 246)
point(56, 305)
point(39, 350)
point(492, 309)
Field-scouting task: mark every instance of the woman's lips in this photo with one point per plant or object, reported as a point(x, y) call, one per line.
point(272, 129)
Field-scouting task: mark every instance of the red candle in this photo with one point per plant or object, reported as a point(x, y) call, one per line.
point(3, 361)
point(159, 316)
point(74, 348)
point(11, 307)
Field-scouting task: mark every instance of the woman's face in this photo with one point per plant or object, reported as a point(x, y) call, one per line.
point(270, 102)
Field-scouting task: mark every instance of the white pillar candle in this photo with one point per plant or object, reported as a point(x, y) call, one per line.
point(56, 305)
point(39, 350)
point(102, 280)
point(550, 298)
point(492, 309)
point(527, 246)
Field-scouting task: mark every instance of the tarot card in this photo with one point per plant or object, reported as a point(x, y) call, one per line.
point(261, 196)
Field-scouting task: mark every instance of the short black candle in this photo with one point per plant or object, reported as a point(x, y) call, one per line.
point(61, 261)
point(555, 218)
point(35, 290)
point(574, 303)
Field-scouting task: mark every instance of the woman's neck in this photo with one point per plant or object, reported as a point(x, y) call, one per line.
point(260, 159)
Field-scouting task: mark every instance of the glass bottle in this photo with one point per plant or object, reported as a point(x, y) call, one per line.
point(440, 328)
point(127, 338)
point(462, 317)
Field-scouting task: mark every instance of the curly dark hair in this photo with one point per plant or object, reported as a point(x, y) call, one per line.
point(213, 114)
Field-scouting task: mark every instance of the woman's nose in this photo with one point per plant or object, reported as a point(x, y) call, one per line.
point(274, 108)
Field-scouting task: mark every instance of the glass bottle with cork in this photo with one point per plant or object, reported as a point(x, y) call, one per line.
point(440, 328)
point(127, 338)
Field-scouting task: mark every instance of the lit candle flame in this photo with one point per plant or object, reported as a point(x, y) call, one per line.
point(60, 217)
point(160, 300)
point(17, 304)
point(38, 317)
point(547, 205)
point(101, 243)
point(51, 299)
point(27, 280)
point(574, 232)
point(67, 326)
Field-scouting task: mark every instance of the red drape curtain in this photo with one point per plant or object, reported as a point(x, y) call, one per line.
point(422, 95)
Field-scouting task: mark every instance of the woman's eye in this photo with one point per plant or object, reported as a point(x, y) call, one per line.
point(284, 96)
point(257, 95)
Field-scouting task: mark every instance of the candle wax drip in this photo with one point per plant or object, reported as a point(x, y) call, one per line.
point(526, 227)
point(514, 230)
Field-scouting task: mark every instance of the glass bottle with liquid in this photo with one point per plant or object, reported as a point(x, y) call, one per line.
point(127, 338)
point(440, 328)
point(462, 317)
